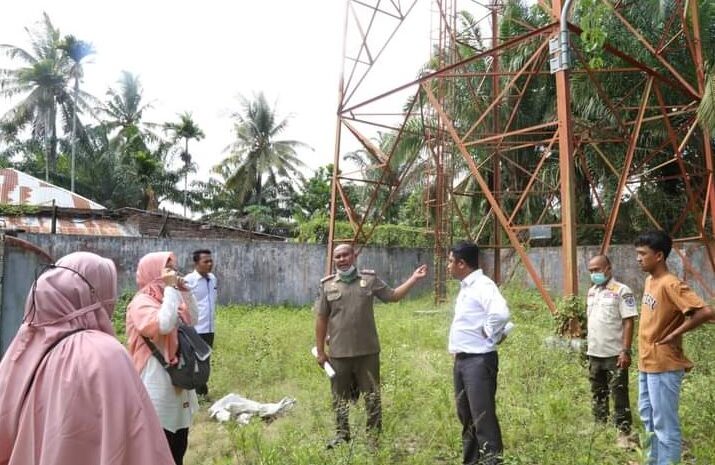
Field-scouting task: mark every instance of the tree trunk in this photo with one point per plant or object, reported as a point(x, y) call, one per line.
point(186, 173)
point(47, 146)
point(52, 158)
point(259, 188)
point(74, 133)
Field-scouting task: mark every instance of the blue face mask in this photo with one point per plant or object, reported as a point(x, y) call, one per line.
point(598, 278)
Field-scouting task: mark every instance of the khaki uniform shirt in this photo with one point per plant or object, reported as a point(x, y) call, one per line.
point(606, 307)
point(666, 300)
point(351, 320)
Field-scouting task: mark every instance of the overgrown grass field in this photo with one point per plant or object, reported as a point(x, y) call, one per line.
point(543, 397)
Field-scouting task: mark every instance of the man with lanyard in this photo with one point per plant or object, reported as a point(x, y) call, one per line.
point(203, 285)
point(481, 321)
point(610, 309)
point(344, 310)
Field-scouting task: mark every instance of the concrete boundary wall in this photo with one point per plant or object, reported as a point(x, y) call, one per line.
point(269, 273)
point(255, 272)
point(547, 261)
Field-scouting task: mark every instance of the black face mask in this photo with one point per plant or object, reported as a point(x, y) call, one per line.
point(39, 270)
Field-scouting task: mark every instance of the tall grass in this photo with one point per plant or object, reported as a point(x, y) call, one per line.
point(543, 398)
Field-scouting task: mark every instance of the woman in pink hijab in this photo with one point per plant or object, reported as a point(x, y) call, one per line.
point(69, 394)
point(154, 312)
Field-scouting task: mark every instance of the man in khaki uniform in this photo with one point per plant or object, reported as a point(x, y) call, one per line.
point(344, 310)
point(611, 309)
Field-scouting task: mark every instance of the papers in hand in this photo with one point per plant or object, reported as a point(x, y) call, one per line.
point(499, 337)
point(326, 366)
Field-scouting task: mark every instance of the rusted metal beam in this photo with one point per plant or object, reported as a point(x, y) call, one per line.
point(599, 89)
point(515, 132)
point(566, 169)
point(707, 137)
point(506, 88)
point(490, 198)
point(384, 174)
point(429, 76)
point(377, 55)
point(626, 170)
point(336, 154)
point(496, 170)
point(546, 155)
point(683, 82)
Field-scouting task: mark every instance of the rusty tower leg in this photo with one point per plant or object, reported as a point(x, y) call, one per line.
point(566, 167)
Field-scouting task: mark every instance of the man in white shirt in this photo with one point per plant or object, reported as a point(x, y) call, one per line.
point(480, 323)
point(203, 285)
point(611, 309)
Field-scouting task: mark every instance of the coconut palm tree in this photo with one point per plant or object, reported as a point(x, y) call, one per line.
point(76, 51)
point(134, 144)
point(124, 109)
point(187, 130)
point(42, 83)
point(257, 158)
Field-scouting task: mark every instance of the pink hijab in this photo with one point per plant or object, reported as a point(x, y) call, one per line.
point(143, 311)
point(85, 405)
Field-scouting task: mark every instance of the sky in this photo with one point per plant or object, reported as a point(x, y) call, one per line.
point(199, 56)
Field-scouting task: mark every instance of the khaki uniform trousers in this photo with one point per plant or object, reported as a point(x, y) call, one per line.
point(355, 375)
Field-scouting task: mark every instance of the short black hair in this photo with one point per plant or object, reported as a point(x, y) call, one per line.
point(605, 257)
point(657, 240)
point(467, 251)
point(198, 253)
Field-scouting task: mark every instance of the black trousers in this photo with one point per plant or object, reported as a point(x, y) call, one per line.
point(209, 338)
point(178, 442)
point(606, 378)
point(475, 387)
point(355, 375)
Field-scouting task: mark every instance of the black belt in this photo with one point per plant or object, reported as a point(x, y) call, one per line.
point(463, 355)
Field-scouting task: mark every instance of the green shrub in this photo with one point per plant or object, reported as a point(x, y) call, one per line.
point(315, 231)
point(570, 317)
point(120, 313)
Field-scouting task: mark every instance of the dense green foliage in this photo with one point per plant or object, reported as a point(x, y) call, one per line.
point(315, 230)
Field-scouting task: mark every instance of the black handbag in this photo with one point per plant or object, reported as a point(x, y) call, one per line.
point(193, 353)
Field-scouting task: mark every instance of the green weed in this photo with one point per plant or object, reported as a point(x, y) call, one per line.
point(543, 397)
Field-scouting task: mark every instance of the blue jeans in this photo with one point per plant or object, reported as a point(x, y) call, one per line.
point(658, 401)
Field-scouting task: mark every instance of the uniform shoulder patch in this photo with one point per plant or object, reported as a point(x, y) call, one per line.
point(330, 276)
point(367, 271)
point(629, 299)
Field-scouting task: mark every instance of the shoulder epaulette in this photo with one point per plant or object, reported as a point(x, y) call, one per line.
point(330, 276)
point(367, 271)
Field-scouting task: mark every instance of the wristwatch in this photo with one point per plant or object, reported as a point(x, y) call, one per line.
point(626, 351)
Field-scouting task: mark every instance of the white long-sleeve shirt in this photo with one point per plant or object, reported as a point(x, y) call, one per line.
point(173, 406)
point(204, 289)
point(480, 316)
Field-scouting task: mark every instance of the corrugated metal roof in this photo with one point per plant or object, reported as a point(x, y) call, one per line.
point(18, 188)
point(82, 226)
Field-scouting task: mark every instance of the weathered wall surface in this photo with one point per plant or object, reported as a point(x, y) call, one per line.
point(547, 261)
point(19, 262)
point(261, 272)
point(255, 272)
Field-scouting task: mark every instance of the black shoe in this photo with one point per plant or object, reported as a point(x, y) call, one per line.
point(335, 442)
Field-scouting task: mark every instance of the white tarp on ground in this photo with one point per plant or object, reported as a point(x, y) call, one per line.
point(242, 409)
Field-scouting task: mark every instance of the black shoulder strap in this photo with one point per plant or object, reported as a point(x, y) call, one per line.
point(156, 353)
point(49, 349)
